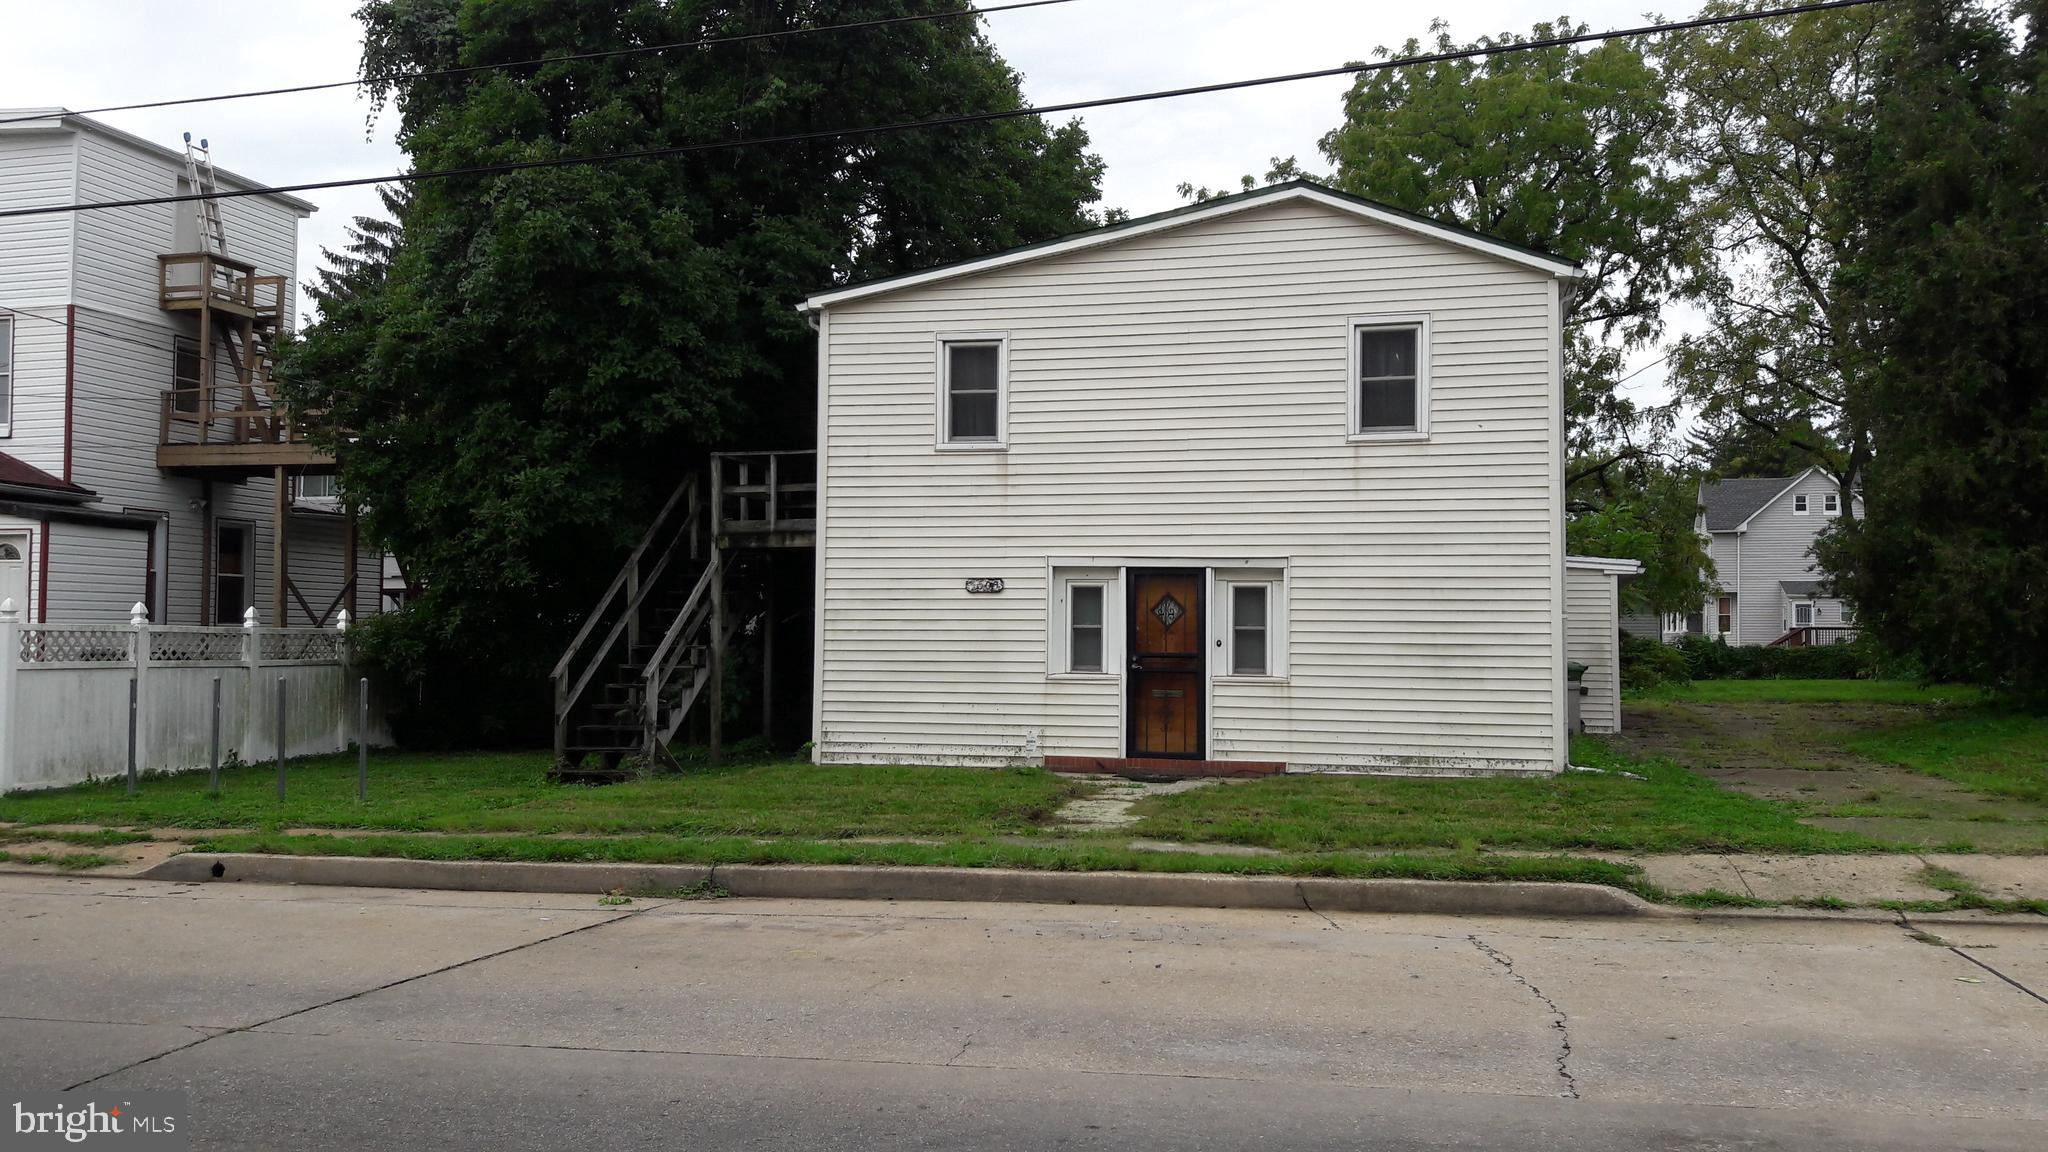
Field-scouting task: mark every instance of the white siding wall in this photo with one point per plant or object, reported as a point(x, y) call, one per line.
point(100, 572)
point(35, 281)
point(1593, 638)
point(1182, 397)
point(35, 170)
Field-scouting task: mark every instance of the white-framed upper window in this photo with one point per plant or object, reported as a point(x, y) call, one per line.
point(1389, 377)
point(1802, 614)
point(973, 390)
point(1086, 623)
point(6, 375)
point(1831, 503)
point(1252, 636)
point(1848, 613)
point(1799, 504)
point(323, 488)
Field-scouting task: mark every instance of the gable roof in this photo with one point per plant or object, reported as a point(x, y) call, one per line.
point(1731, 504)
point(17, 474)
point(1303, 190)
point(45, 119)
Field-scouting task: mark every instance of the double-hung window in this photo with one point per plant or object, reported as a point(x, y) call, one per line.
point(973, 382)
point(1085, 623)
point(6, 375)
point(1799, 504)
point(1831, 503)
point(1802, 614)
point(1389, 377)
point(1253, 631)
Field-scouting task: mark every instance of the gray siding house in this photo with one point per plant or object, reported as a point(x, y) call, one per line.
point(1760, 533)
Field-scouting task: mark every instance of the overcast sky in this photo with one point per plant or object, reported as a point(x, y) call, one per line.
point(86, 53)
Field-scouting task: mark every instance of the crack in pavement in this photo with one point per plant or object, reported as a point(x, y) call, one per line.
point(389, 984)
point(1908, 926)
point(1303, 896)
point(1559, 1021)
point(965, 1045)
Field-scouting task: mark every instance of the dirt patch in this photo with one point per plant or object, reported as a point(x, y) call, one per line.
point(1796, 754)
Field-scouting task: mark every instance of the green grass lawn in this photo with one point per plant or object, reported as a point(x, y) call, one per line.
point(1983, 749)
point(1812, 692)
point(1668, 810)
point(497, 792)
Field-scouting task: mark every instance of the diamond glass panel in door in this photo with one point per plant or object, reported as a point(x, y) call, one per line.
point(1386, 379)
point(1084, 645)
point(973, 381)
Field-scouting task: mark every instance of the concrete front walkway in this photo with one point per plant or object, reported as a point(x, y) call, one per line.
point(369, 1019)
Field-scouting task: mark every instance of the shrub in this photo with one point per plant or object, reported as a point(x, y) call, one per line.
point(1713, 659)
point(1647, 663)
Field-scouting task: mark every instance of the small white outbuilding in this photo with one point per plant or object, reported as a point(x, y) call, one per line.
point(1592, 628)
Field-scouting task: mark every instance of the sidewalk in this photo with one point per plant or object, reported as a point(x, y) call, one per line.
point(1909, 881)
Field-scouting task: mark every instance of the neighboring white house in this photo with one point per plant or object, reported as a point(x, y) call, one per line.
point(1760, 533)
point(1273, 481)
point(142, 455)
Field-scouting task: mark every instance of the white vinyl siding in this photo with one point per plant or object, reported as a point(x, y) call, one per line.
point(1593, 638)
point(98, 572)
point(1180, 397)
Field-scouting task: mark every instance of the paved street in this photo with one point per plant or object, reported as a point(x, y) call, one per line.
point(379, 1019)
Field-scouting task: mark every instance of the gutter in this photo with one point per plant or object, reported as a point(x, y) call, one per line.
point(103, 516)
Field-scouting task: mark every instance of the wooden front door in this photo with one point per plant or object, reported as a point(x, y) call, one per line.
point(1166, 664)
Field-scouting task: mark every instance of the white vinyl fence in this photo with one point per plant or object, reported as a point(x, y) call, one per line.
point(64, 696)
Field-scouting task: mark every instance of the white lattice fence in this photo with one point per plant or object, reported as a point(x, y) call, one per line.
point(66, 645)
point(65, 691)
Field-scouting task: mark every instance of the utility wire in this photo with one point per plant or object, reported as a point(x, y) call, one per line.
point(950, 121)
point(436, 73)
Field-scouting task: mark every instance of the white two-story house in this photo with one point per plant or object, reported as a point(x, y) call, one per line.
point(1270, 482)
point(1759, 532)
point(143, 456)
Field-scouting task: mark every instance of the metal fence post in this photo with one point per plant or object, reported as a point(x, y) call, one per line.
point(213, 774)
point(133, 683)
point(363, 740)
point(280, 737)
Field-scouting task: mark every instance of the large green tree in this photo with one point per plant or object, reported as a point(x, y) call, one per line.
point(1766, 107)
point(1945, 206)
point(547, 348)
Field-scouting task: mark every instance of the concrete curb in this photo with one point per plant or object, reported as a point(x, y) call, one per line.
point(853, 882)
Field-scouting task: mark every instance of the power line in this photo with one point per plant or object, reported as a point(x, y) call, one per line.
point(608, 54)
point(951, 121)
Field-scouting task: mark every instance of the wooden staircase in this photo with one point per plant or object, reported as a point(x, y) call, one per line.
point(654, 647)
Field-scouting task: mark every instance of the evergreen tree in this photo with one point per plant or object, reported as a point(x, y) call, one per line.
point(1946, 198)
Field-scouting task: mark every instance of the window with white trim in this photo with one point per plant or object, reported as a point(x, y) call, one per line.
point(1831, 503)
point(973, 375)
point(1253, 634)
point(1799, 504)
point(6, 375)
point(325, 487)
point(1848, 613)
point(1085, 623)
point(1802, 614)
point(1389, 377)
